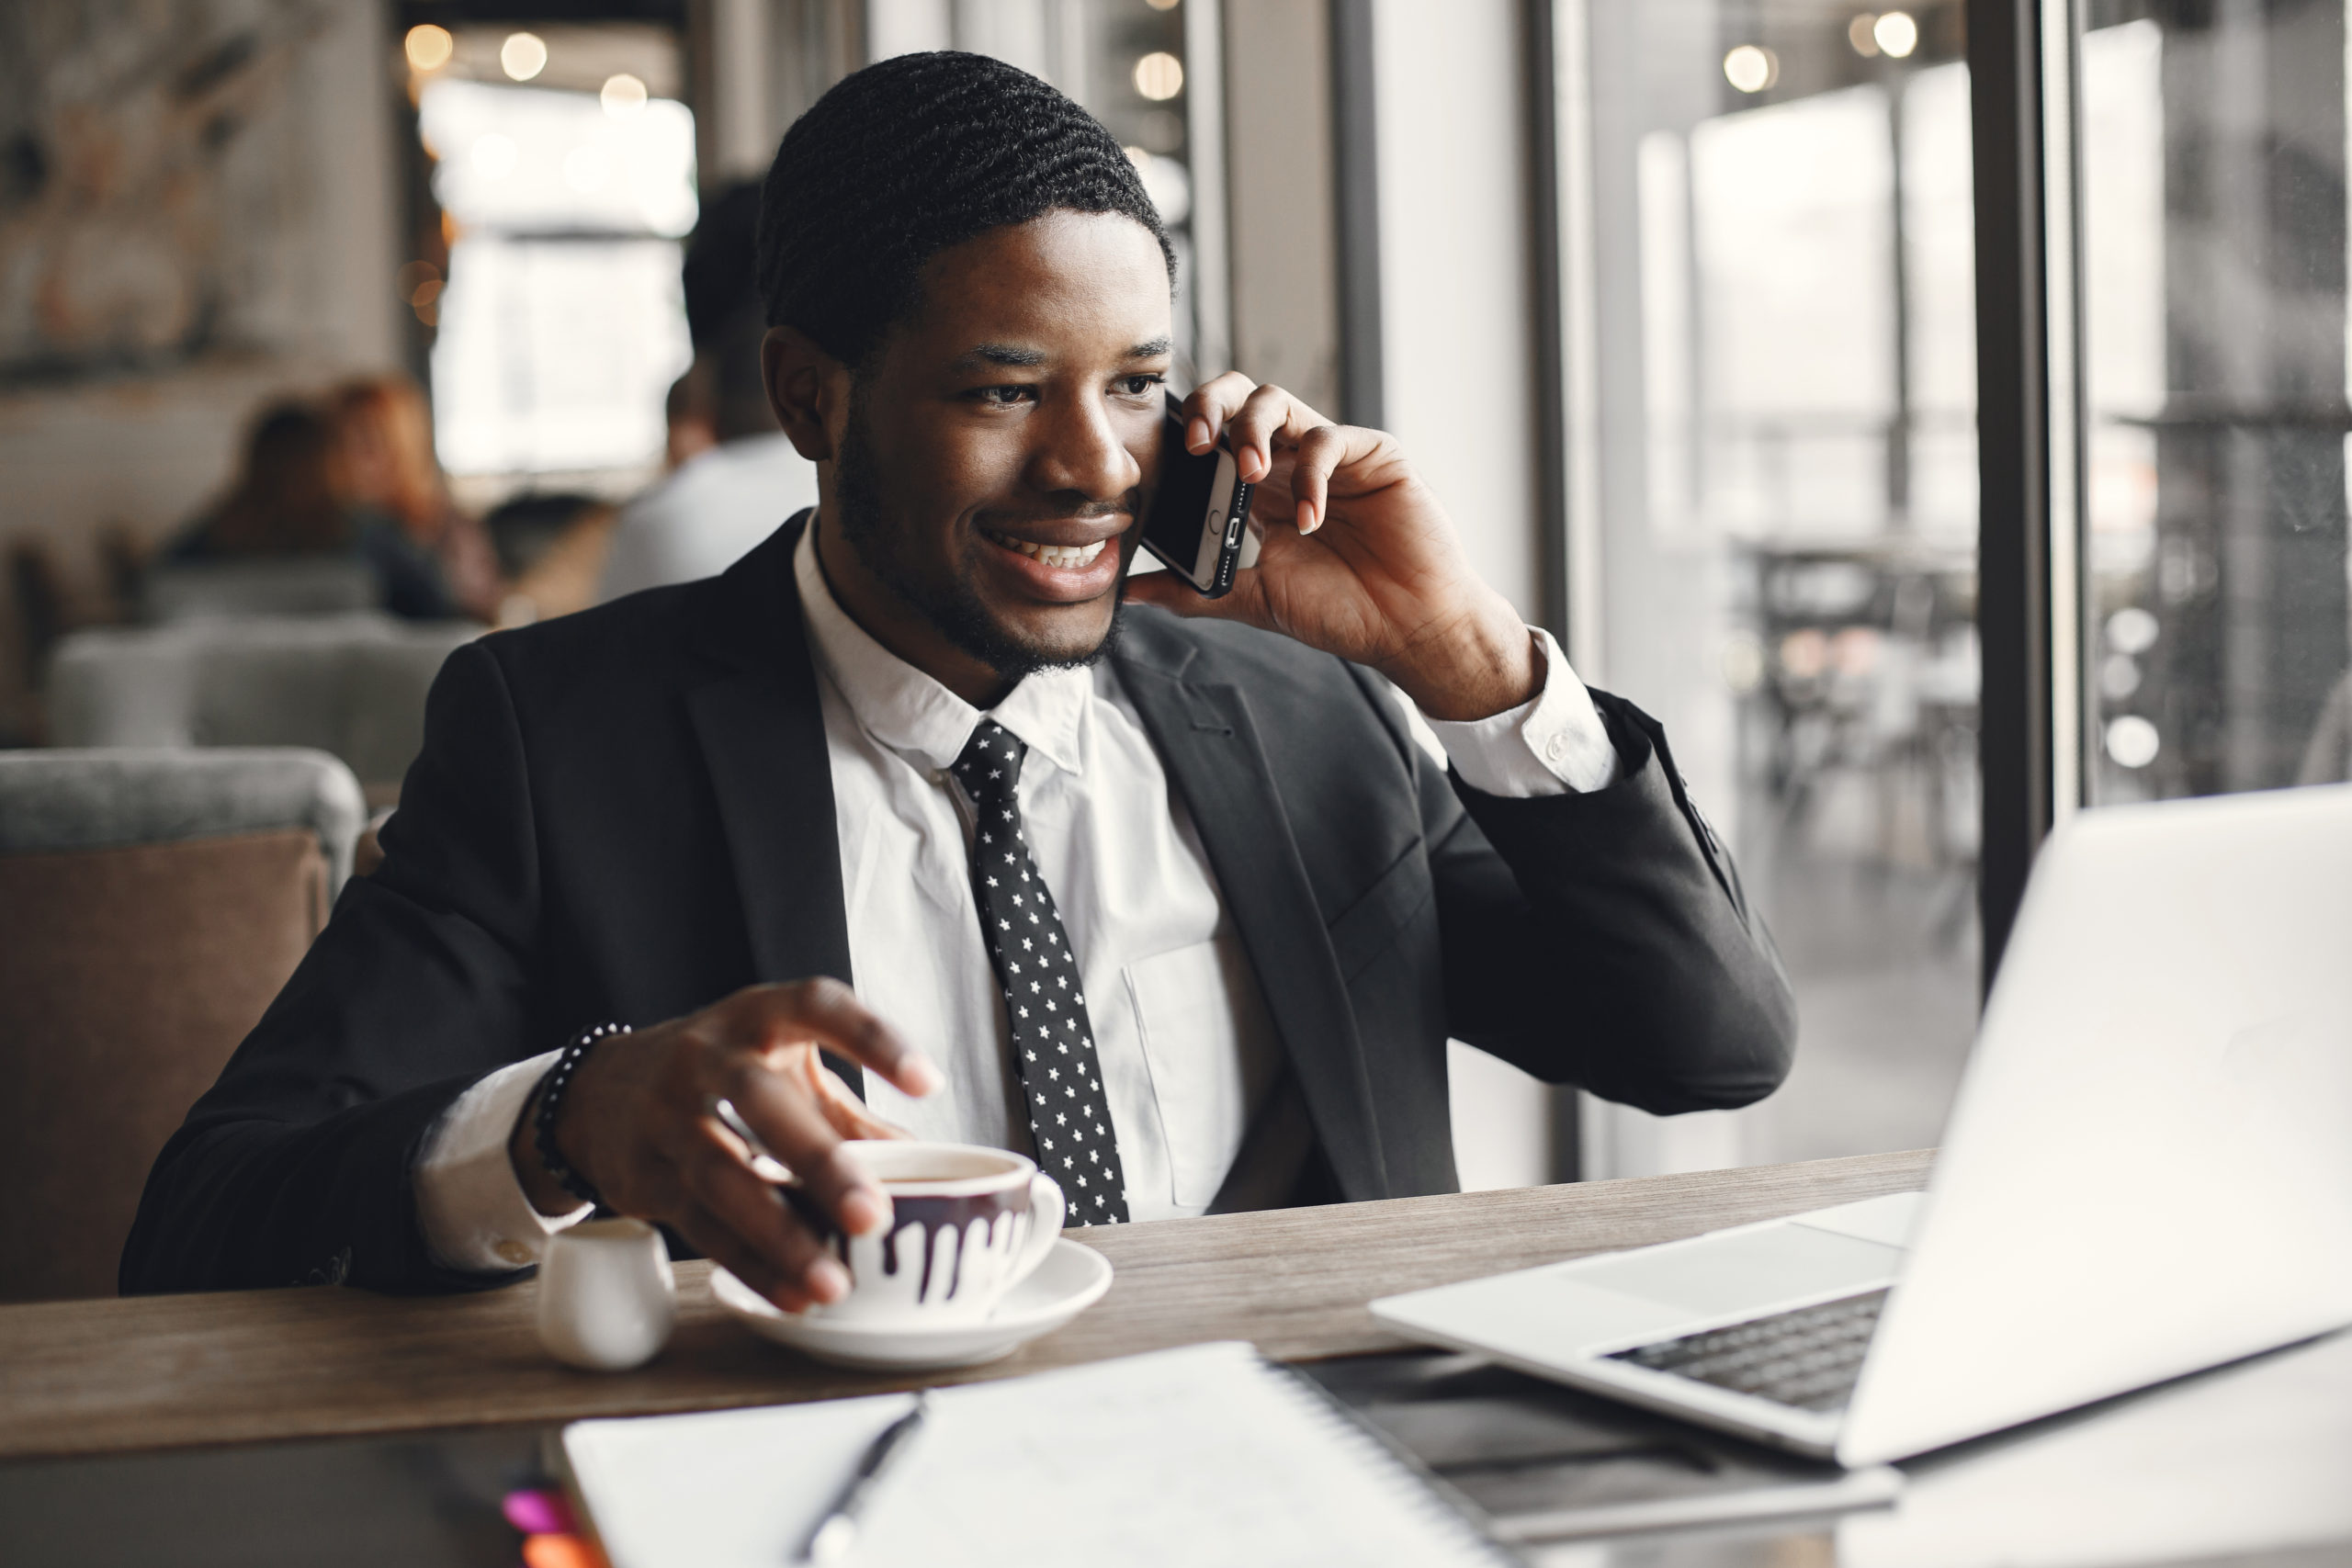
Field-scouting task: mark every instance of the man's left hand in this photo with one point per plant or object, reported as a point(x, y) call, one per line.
point(1357, 557)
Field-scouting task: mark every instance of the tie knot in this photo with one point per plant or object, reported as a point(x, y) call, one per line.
point(991, 761)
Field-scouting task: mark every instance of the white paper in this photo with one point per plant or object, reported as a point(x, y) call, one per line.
point(1199, 1455)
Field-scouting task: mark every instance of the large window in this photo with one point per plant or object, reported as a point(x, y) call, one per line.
point(2212, 217)
point(562, 175)
point(1777, 537)
point(1773, 422)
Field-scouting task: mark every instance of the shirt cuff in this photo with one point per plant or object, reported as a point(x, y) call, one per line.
point(1552, 744)
point(468, 1202)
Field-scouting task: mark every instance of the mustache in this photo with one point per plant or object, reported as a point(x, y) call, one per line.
point(1127, 505)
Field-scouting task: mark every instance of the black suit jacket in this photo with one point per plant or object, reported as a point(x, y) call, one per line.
point(628, 813)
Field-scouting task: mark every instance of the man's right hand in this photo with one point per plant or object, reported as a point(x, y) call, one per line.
point(638, 1123)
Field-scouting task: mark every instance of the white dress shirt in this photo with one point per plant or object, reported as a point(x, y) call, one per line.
point(706, 516)
point(1186, 1049)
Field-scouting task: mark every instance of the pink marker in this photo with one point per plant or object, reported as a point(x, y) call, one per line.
point(538, 1513)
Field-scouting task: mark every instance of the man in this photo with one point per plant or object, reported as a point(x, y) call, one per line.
point(1168, 896)
point(723, 497)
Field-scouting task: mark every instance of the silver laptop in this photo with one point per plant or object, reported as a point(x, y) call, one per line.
point(2148, 1172)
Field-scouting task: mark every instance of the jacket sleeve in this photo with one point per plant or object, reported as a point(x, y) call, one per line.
point(1605, 940)
point(295, 1166)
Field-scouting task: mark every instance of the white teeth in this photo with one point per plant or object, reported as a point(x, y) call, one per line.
point(1054, 555)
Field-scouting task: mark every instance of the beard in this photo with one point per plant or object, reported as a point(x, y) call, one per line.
point(887, 547)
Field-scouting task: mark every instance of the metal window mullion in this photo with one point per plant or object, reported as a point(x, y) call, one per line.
point(2065, 542)
point(2029, 422)
point(1355, 147)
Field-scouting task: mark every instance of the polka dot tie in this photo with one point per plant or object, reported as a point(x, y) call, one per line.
point(1053, 1044)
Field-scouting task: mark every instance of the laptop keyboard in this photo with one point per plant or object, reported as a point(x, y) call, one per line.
point(1809, 1357)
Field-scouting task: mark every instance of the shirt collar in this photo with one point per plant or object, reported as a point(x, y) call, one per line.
point(911, 713)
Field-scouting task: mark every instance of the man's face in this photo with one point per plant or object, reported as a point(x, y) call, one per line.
point(996, 447)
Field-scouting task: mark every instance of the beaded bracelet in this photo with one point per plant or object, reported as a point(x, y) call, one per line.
point(551, 1089)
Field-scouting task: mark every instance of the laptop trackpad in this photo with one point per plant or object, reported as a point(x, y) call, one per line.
point(1744, 1268)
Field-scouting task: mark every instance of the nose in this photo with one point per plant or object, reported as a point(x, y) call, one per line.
point(1082, 453)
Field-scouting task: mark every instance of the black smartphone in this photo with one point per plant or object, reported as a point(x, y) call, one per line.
point(1199, 523)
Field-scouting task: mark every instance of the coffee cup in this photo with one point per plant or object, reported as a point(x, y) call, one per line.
point(967, 1224)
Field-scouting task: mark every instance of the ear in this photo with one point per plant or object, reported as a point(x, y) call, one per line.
point(807, 390)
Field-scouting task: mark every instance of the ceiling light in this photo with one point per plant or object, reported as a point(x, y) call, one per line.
point(1751, 68)
point(523, 55)
point(1159, 76)
point(1896, 33)
point(624, 94)
point(2132, 742)
point(429, 46)
point(2131, 630)
point(1857, 33)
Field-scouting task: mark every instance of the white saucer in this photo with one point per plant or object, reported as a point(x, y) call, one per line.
point(1071, 1278)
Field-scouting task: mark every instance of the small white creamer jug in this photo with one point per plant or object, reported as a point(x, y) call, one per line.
point(608, 1298)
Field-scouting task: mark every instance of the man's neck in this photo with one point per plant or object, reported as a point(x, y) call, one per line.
point(883, 614)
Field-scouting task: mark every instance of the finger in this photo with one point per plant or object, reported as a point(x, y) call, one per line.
point(1266, 415)
point(715, 1240)
point(1320, 453)
point(828, 1012)
point(723, 1186)
point(1210, 405)
point(787, 1117)
point(851, 1116)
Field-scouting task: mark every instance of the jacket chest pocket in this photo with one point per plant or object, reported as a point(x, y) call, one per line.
point(1369, 926)
point(1211, 1051)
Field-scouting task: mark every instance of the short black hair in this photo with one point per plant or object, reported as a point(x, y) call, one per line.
point(911, 156)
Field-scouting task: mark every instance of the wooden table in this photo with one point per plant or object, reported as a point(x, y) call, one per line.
point(86, 1378)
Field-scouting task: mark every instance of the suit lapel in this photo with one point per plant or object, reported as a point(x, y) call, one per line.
point(762, 736)
point(1209, 744)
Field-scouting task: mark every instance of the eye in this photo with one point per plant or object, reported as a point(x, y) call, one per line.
point(1004, 396)
point(1140, 385)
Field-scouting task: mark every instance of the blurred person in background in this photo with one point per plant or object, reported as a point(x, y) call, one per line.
point(708, 514)
point(286, 500)
point(686, 416)
point(441, 557)
point(551, 547)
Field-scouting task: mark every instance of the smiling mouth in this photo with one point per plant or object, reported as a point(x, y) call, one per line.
point(1067, 556)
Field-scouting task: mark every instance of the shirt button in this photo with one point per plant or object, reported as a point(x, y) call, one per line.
point(514, 1252)
point(1557, 747)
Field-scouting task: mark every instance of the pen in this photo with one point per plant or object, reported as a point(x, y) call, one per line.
point(837, 1532)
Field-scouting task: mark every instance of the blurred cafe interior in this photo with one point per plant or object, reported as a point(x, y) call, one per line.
point(1936, 462)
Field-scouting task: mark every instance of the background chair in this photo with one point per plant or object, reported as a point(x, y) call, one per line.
point(233, 590)
point(351, 685)
point(152, 904)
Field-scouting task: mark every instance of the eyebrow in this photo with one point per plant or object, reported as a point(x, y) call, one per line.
point(1020, 358)
point(1001, 354)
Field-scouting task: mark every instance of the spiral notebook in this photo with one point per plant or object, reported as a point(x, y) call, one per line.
point(1206, 1454)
